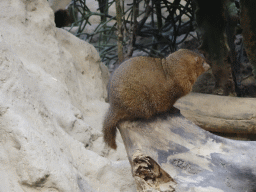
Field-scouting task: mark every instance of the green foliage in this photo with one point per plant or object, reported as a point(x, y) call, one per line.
point(157, 22)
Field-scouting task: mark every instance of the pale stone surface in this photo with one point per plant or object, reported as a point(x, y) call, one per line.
point(58, 4)
point(52, 105)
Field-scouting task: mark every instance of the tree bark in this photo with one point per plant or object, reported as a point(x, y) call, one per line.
point(248, 23)
point(212, 23)
point(170, 153)
point(233, 117)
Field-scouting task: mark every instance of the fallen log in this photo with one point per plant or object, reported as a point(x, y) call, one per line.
point(221, 114)
point(170, 153)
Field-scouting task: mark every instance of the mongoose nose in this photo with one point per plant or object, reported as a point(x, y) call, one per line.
point(206, 66)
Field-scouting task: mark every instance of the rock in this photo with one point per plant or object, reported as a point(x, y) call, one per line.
point(53, 90)
point(58, 4)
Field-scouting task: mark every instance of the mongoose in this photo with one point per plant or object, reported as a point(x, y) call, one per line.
point(142, 87)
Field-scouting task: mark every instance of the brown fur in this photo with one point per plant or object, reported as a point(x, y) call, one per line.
point(142, 87)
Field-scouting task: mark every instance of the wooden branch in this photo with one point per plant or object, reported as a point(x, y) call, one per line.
point(148, 10)
point(170, 153)
point(220, 113)
point(134, 30)
point(119, 31)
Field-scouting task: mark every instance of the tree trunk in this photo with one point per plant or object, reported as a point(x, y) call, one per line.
point(170, 153)
point(212, 23)
point(232, 117)
point(248, 23)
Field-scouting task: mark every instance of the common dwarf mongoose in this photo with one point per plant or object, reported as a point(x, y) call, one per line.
point(142, 87)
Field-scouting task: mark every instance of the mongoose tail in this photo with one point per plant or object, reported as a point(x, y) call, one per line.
point(109, 128)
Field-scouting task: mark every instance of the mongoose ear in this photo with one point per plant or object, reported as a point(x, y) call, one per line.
point(196, 59)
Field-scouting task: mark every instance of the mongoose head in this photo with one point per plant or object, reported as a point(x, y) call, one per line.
point(201, 62)
point(188, 64)
point(199, 66)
